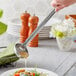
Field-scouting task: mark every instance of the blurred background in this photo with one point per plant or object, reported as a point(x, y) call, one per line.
point(41, 8)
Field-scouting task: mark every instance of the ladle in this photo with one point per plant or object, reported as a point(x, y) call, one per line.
point(20, 49)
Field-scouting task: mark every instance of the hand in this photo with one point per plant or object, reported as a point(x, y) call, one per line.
point(60, 4)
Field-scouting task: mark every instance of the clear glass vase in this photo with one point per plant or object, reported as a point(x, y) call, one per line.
point(65, 44)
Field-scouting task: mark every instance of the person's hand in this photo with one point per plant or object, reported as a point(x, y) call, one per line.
point(60, 4)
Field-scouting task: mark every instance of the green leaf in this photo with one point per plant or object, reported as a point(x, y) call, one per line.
point(1, 13)
point(3, 28)
point(8, 55)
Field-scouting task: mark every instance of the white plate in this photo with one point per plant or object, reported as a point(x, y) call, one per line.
point(49, 73)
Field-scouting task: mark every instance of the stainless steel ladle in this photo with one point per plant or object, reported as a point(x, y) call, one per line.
point(20, 49)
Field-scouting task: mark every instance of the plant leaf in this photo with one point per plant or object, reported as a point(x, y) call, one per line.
point(3, 28)
point(1, 13)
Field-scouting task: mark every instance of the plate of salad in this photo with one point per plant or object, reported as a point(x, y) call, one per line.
point(28, 72)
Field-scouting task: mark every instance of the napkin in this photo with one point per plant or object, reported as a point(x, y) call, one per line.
point(8, 55)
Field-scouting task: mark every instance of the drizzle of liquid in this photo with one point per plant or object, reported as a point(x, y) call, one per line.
point(24, 56)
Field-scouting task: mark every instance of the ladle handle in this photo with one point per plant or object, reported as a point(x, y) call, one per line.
point(39, 28)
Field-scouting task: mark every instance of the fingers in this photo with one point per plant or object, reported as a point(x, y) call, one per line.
point(57, 5)
point(53, 3)
point(59, 8)
point(60, 4)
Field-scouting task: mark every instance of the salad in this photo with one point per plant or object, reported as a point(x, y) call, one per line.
point(23, 72)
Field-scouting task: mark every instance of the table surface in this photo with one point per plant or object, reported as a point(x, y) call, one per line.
point(46, 56)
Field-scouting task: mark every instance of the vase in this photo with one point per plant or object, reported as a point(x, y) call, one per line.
point(65, 44)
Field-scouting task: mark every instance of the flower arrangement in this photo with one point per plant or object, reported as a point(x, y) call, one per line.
point(65, 29)
point(64, 33)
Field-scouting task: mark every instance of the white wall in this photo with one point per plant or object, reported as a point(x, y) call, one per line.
point(13, 8)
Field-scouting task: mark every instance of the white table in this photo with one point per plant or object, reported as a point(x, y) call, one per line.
point(46, 56)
